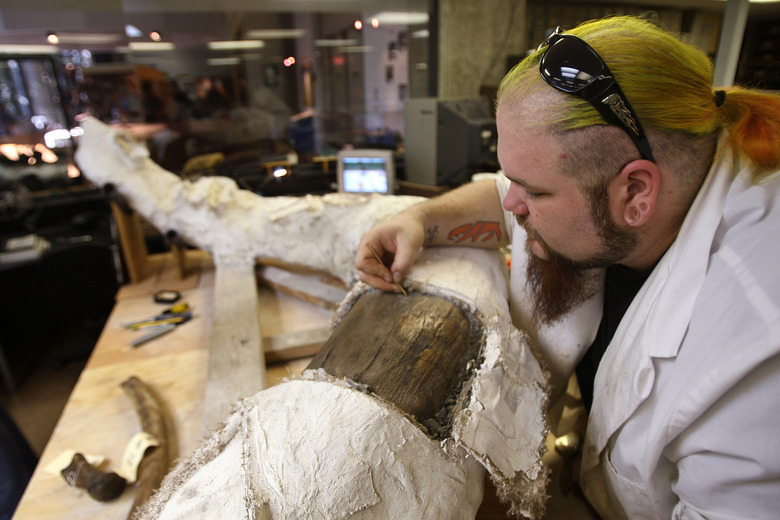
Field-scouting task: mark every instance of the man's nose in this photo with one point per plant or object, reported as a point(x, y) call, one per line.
point(514, 202)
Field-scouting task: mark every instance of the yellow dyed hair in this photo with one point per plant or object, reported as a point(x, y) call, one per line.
point(669, 84)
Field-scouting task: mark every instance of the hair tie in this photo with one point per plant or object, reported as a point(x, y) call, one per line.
point(720, 97)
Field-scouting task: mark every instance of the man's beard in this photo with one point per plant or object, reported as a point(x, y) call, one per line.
point(557, 283)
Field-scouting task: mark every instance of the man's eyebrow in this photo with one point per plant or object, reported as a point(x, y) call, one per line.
point(525, 185)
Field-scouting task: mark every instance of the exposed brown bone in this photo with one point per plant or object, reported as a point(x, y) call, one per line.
point(414, 351)
point(154, 465)
point(100, 485)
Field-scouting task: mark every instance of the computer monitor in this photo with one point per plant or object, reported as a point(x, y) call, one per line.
point(366, 171)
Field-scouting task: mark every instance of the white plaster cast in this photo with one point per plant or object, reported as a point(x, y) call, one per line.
point(278, 457)
point(334, 432)
point(214, 214)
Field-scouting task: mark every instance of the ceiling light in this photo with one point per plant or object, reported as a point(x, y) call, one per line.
point(274, 34)
point(155, 36)
point(356, 49)
point(89, 38)
point(28, 49)
point(335, 42)
point(236, 45)
point(223, 61)
point(52, 38)
point(151, 46)
point(401, 17)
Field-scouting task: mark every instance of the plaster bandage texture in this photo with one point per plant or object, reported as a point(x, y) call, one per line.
point(234, 225)
point(322, 448)
point(279, 457)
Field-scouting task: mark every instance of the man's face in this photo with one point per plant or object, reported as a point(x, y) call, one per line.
point(549, 205)
point(568, 232)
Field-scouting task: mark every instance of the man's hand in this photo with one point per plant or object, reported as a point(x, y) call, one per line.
point(396, 241)
point(470, 215)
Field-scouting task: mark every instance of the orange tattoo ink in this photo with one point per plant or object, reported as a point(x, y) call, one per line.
point(474, 231)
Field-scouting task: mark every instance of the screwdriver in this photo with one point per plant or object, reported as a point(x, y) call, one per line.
point(160, 320)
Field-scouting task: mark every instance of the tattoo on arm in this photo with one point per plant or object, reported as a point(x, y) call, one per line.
point(431, 234)
point(475, 230)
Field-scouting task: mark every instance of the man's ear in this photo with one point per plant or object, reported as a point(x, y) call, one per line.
point(638, 186)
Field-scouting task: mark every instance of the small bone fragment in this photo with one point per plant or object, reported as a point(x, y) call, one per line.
point(101, 485)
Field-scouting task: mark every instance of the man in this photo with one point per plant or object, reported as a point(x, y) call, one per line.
point(644, 212)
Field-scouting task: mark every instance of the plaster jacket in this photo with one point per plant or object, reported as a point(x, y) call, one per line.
point(680, 426)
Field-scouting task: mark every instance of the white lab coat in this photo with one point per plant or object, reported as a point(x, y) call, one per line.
point(685, 420)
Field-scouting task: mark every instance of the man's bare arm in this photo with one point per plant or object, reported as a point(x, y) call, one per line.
point(468, 216)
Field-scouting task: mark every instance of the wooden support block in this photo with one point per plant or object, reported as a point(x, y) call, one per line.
point(132, 242)
point(294, 345)
point(317, 288)
point(236, 366)
point(413, 351)
point(179, 252)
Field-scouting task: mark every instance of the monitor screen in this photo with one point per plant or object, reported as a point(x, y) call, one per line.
point(366, 171)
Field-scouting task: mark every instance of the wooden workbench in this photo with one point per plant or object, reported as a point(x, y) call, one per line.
point(99, 418)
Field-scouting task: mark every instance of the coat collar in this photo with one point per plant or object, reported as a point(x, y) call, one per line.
point(656, 321)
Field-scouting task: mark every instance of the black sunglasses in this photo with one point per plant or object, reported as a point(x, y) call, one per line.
point(570, 65)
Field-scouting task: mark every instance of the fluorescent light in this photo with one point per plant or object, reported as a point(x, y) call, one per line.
point(274, 34)
point(356, 49)
point(335, 43)
point(401, 17)
point(422, 33)
point(223, 61)
point(151, 46)
point(28, 49)
point(236, 45)
point(89, 38)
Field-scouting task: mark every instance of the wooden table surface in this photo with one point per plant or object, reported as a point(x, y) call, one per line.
point(99, 419)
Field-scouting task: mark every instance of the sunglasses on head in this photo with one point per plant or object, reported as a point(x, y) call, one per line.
point(570, 65)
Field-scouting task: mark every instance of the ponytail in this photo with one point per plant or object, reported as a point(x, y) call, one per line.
point(669, 84)
point(753, 121)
